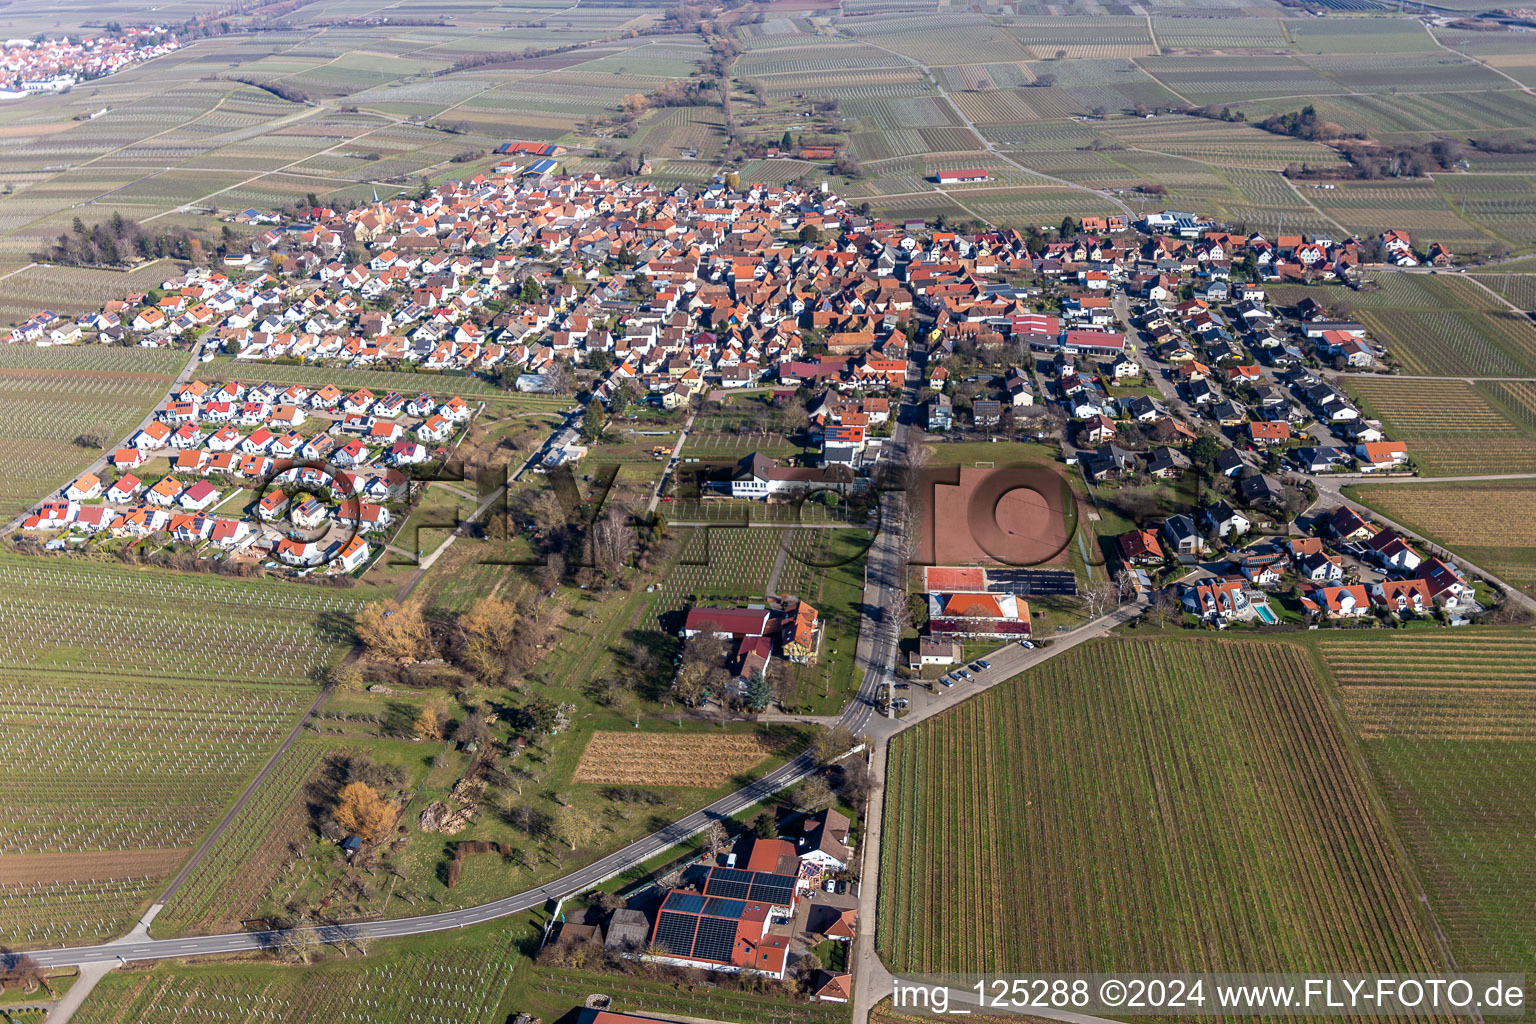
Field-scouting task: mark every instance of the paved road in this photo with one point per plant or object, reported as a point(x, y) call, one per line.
point(875, 656)
point(671, 467)
point(577, 881)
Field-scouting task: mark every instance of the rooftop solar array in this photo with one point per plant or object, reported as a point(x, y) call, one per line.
point(732, 883)
point(674, 932)
point(714, 906)
point(762, 886)
point(715, 938)
point(686, 902)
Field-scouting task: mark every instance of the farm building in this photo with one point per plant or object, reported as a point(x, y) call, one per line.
point(960, 177)
point(724, 925)
point(529, 149)
point(727, 623)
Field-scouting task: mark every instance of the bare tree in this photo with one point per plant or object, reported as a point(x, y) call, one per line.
point(913, 499)
point(831, 742)
point(611, 543)
point(551, 572)
point(549, 515)
point(1100, 597)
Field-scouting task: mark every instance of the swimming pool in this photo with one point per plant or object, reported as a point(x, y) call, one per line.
point(1265, 614)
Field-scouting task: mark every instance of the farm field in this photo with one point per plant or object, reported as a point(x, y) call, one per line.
point(50, 396)
point(1449, 729)
point(460, 976)
point(236, 876)
point(1452, 428)
point(1163, 769)
point(135, 704)
point(1489, 523)
point(659, 759)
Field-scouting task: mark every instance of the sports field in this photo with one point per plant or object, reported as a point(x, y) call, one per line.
point(1177, 805)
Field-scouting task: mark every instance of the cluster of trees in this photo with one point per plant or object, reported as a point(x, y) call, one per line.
point(359, 796)
point(278, 89)
point(1302, 124)
point(1226, 114)
point(495, 640)
point(1370, 162)
point(680, 92)
point(120, 241)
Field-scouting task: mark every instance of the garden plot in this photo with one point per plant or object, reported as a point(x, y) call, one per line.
point(695, 760)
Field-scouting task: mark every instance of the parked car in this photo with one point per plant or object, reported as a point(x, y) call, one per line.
point(829, 885)
point(985, 664)
point(1027, 643)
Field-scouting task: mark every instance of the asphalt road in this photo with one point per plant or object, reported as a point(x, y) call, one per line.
point(875, 655)
point(577, 881)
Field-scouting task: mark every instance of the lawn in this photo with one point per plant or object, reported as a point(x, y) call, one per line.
point(1176, 805)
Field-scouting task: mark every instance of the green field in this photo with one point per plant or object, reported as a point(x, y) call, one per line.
point(1177, 805)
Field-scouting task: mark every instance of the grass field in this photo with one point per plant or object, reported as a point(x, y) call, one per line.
point(50, 396)
point(1489, 523)
point(1449, 729)
point(1175, 805)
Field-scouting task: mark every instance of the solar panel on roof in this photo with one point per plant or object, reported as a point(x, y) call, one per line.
point(731, 883)
point(674, 932)
point(684, 902)
point(716, 938)
point(724, 908)
point(773, 888)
